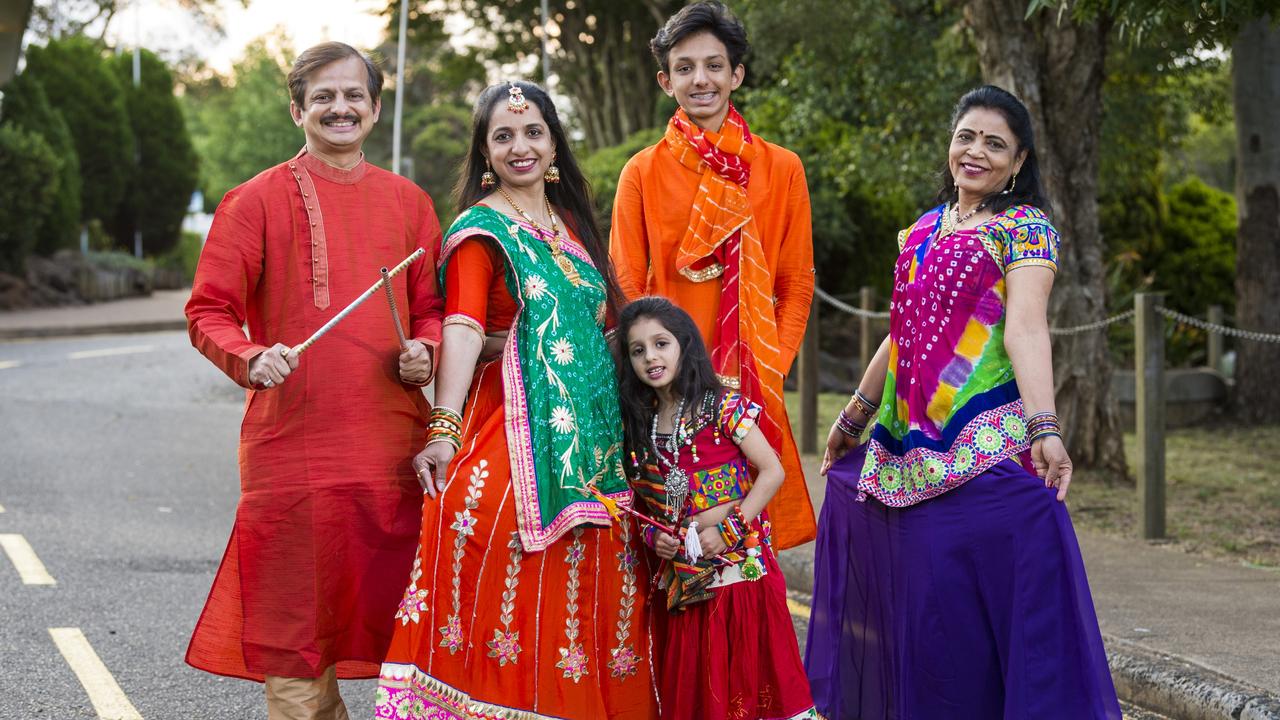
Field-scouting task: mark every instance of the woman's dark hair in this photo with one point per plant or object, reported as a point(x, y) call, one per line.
point(694, 378)
point(572, 195)
point(705, 16)
point(1027, 189)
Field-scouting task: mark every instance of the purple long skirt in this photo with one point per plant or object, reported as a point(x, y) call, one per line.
point(973, 604)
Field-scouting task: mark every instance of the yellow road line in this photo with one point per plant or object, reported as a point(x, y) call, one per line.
point(105, 694)
point(25, 560)
point(6, 364)
point(107, 352)
point(1, 508)
point(798, 609)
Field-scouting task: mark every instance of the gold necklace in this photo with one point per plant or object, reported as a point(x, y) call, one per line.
point(952, 219)
point(553, 244)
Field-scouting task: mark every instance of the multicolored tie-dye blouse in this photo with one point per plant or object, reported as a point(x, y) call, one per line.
point(950, 408)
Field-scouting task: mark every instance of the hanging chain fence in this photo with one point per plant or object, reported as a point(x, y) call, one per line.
point(845, 307)
point(1216, 328)
point(1174, 315)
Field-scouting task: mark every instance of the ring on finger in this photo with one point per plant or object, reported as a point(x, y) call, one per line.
point(268, 383)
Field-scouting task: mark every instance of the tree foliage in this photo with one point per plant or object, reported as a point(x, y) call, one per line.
point(598, 50)
point(866, 111)
point(439, 82)
point(51, 19)
point(76, 78)
point(167, 167)
point(26, 106)
point(240, 125)
point(30, 170)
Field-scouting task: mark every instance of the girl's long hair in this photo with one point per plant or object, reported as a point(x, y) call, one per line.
point(1027, 189)
point(694, 378)
point(572, 195)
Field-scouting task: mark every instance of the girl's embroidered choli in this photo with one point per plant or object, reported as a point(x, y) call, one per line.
point(519, 606)
point(951, 408)
point(729, 648)
point(717, 473)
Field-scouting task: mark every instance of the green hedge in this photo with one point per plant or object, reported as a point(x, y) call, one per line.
point(30, 170)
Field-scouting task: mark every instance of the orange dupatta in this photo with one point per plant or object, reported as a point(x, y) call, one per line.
point(723, 241)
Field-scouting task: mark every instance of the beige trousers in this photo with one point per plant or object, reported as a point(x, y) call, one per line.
point(305, 698)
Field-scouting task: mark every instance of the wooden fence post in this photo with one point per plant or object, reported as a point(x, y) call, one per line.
point(1149, 376)
point(1215, 338)
point(866, 303)
point(808, 383)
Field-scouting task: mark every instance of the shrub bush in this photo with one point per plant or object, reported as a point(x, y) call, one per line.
point(30, 170)
point(27, 106)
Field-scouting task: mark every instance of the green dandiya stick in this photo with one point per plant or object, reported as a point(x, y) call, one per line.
point(298, 349)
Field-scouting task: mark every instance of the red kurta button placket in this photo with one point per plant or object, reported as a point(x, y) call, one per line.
point(319, 251)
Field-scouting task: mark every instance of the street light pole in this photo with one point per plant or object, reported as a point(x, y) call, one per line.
point(546, 57)
point(137, 142)
point(399, 114)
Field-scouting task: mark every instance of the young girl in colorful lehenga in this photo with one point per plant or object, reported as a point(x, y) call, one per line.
point(729, 648)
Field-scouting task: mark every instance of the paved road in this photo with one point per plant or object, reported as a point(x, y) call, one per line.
point(118, 471)
point(118, 468)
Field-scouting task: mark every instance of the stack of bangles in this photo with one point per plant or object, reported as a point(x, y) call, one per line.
point(1042, 425)
point(736, 532)
point(445, 425)
point(862, 404)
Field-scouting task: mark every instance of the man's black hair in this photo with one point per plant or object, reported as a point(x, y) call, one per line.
point(705, 16)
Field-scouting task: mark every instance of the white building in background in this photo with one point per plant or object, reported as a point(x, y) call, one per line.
point(197, 220)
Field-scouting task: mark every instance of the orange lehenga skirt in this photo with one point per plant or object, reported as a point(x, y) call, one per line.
point(486, 630)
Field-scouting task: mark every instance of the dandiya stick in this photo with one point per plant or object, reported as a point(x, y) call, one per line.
point(298, 349)
point(613, 507)
point(395, 314)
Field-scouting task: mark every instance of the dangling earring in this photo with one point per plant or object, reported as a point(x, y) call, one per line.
point(552, 175)
point(488, 179)
point(1012, 184)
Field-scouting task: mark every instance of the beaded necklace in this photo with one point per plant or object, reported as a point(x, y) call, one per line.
point(676, 480)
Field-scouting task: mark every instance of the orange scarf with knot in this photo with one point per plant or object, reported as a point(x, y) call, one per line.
point(722, 240)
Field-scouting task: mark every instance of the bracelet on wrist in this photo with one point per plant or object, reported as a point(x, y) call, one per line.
point(847, 425)
point(863, 404)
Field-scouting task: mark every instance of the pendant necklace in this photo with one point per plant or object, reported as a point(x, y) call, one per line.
point(676, 482)
point(553, 244)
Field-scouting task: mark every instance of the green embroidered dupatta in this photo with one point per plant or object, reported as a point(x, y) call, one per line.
point(563, 423)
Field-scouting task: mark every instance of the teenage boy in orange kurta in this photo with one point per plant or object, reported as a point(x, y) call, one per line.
point(329, 505)
point(718, 220)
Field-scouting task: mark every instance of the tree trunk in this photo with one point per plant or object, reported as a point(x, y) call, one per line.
point(1256, 76)
point(599, 74)
point(1055, 66)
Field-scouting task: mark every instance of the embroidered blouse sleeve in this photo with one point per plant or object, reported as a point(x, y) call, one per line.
point(737, 415)
point(1030, 240)
point(468, 281)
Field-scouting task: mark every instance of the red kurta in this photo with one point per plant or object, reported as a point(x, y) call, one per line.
point(329, 507)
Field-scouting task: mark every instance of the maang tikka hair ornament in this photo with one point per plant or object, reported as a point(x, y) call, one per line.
point(516, 102)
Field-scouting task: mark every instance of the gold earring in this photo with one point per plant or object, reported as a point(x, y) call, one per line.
point(1012, 184)
point(488, 179)
point(552, 175)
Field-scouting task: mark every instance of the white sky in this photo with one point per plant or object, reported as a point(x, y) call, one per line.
point(164, 27)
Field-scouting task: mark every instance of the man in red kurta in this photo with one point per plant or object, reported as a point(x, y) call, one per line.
point(718, 221)
point(329, 510)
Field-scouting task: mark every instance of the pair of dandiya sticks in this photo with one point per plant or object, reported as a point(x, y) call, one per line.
point(383, 282)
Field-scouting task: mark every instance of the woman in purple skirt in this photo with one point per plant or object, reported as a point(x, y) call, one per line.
point(948, 582)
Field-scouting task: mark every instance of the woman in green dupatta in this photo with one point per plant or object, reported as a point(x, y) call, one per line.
point(523, 602)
